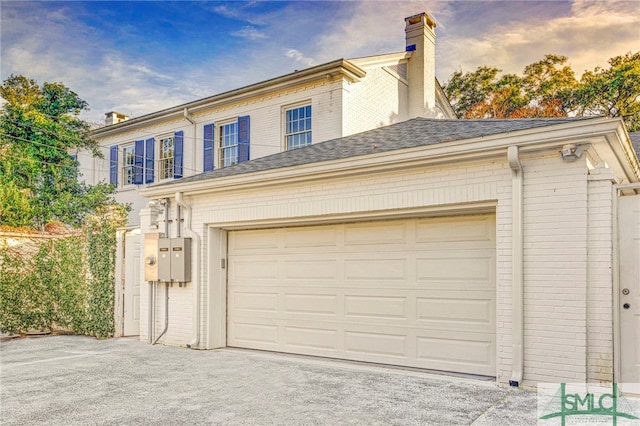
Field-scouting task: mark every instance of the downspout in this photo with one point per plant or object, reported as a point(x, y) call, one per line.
point(154, 284)
point(517, 266)
point(195, 276)
point(166, 313)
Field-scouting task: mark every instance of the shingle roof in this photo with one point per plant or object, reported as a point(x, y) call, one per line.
point(408, 134)
point(635, 141)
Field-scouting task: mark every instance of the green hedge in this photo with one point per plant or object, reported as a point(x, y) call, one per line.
point(67, 284)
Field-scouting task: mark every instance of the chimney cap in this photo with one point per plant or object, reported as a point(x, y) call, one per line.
point(421, 17)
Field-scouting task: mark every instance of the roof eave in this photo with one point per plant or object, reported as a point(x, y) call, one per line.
point(467, 149)
point(342, 67)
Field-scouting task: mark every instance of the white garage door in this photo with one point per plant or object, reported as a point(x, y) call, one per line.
point(413, 292)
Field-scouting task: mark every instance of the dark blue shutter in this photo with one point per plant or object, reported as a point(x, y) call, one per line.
point(113, 165)
point(138, 161)
point(243, 138)
point(149, 156)
point(178, 146)
point(208, 148)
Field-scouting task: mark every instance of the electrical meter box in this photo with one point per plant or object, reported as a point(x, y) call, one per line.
point(181, 259)
point(164, 259)
point(151, 257)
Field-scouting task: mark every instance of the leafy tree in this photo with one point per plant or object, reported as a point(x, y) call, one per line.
point(614, 91)
point(38, 176)
point(549, 88)
point(550, 84)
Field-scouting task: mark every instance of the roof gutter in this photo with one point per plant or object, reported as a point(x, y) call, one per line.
point(517, 266)
point(528, 140)
point(341, 66)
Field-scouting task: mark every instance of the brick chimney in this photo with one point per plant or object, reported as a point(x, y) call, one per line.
point(113, 117)
point(421, 42)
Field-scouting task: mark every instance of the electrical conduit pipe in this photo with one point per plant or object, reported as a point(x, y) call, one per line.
point(517, 266)
point(195, 277)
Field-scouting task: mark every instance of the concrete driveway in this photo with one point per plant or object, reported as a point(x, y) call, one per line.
point(73, 380)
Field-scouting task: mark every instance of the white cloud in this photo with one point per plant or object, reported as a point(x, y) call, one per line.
point(299, 57)
point(250, 33)
point(590, 34)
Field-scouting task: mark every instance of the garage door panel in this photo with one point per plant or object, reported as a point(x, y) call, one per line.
point(394, 292)
point(311, 304)
point(459, 267)
point(456, 355)
point(311, 270)
point(251, 241)
point(463, 229)
point(377, 344)
point(248, 333)
point(456, 308)
point(372, 233)
point(253, 269)
point(311, 237)
point(314, 338)
point(375, 269)
point(383, 307)
point(254, 301)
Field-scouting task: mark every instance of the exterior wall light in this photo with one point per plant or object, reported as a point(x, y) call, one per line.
point(571, 152)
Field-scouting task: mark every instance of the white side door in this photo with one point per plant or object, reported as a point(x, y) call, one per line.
point(132, 284)
point(629, 249)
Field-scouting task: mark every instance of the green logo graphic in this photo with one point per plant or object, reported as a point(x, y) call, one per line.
point(588, 403)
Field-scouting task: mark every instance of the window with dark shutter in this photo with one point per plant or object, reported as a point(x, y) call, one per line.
point(244, 132)
point(113, 165)
point(149, 163)
point(138, 162)
point(178, 154)
point(208, 160)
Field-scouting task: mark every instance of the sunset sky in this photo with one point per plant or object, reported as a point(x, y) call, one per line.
point(140, 57)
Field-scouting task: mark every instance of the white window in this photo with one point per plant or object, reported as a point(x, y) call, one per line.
point(166, 158)
point(228, 144)
point(298, 127)
point(128, 164)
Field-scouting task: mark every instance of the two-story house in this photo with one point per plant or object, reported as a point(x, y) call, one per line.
point(340, 212)
point(327, 101)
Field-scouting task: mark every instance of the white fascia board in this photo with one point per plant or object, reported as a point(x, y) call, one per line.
point(442, 99)
point(342, 67)
point(529, 140)
point(381, 60)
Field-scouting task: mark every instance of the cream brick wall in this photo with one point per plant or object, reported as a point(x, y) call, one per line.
point(567, 288)
point(555, 256)
point(600, 277)
point(267, 132)
point(379, 100)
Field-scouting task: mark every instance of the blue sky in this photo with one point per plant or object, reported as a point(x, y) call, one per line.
point(140, 57)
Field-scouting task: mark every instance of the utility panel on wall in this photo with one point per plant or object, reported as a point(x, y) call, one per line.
point(174, 259)
point(181, 259)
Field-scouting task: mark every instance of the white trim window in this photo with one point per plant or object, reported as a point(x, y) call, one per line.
point(128, 164)
point(166, 158)
point(228, 144)
point(297, 127)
